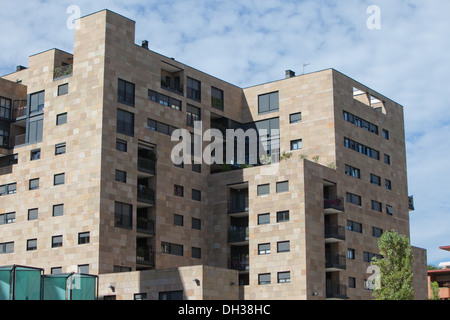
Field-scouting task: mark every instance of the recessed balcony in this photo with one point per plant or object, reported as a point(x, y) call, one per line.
point(335, 262)
point(336, 292)
point(334, 233)
point(333, 205)
point(145, 196)
point(238, 235)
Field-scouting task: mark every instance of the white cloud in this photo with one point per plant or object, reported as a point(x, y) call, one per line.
point(254, 41)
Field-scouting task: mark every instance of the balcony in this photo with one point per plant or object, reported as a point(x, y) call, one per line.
point(334, 205)
point(62, 72)
point(336, 292)
point(238, 235)
point(334, 233)
point(237, 209)
point(145, 196)
point(176, 87)
point(145, 226)
point(335, 262)
point(240, 264)
point(144, 256)
point(146, 167)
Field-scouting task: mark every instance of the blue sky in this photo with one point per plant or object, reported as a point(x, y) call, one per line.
point(254, 41)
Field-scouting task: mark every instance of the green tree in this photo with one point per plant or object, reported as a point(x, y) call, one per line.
point(434, 291)
point(396, 276)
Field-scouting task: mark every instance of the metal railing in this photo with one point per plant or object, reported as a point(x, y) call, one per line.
point(238, 234)
point(334, 231)
point(334, 203)
point(335, 261)
point(145, 194)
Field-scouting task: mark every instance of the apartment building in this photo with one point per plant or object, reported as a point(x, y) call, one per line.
point(87, 183)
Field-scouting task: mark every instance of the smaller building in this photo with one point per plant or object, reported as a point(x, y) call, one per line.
point(442, 277)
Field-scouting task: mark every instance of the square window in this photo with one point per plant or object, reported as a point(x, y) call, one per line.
point(264, 279)
point(60, 149)
point(263, 248)
point(178, 191)
point(296, 144)
point(59, 179)
point(121, 176)
point(84, 237)
point(351, 254)
point(178, 220)
point(263, 189)
point(282, 186)
point(196, 195)
point(35, 154)
point(121, 145)
point(57, 241)
point(58, 210)
point(61, 119)
point(63, 89)
point(34, 184)
point(196, 224)
point(284, 277)
point(33, 214)
point(264, 218)
point(283, 216)
point(32, 245)
point(283, 246)
point(376, 206)
point(268, 102)
point(83, 269)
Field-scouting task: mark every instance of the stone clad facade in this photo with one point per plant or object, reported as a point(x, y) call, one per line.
point(110, 201)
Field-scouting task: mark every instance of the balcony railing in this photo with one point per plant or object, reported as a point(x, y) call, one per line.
point(145, 226)
point(145, 195)
point(336, 291)
point(237, 207)
point(335, 262)
point(240, 264)
point(176, 88)
point(145, 256)
point(334, 232)
point(238, 234)
point(20, 110)
point(63, 71)
point(147, 165)
point(333, 205)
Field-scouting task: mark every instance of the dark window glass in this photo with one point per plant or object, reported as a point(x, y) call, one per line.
point(217, 98)
point(59, 179)
point(196, 195)
point(125, 122)
point(283, 216)
point(37, 102)
point(63, 89)
point(34, 184)
point(192, 114)
point(57, 241)
point(196, 224)
point(84, 237)
point(33, 214)
point(263, 189)
point(194, 89)
point(121, 176)
point(179, 191)
point(295, 117)
point(58, 210)
point(123, 213)
point(121, 145)
point(268, 102)
point(35, 154)
point(5, 108)
point(126, 92)
point(61, 119)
